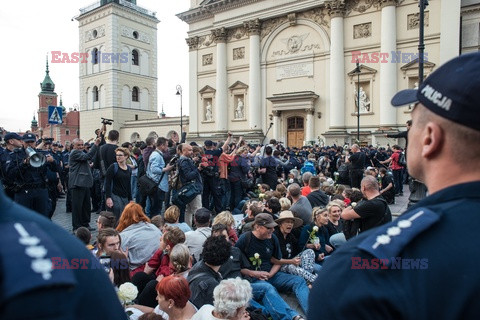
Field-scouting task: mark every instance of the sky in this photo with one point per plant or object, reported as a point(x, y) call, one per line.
point(31, 29)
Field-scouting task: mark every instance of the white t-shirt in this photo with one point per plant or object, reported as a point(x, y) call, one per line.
point(205, 313)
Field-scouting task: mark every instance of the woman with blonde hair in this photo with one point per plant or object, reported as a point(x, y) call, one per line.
point(226, 218)
point(139, 236)
point(285, 203)
point(172, 216)
point(118, 190)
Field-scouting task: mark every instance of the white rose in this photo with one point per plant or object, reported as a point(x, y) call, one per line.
point(127, 292)
point(315, 228)
point(353, 204)
point(256, 256)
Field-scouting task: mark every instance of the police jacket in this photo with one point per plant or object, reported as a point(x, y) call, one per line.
point(23, 174)
point(80, 174)
point(422, 265)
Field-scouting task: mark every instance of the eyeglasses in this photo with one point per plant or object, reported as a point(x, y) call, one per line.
point(120, 155)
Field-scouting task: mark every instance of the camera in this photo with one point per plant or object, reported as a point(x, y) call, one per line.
point(107, 121)
point(173, 160)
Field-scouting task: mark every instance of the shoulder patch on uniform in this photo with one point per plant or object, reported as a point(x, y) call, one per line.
point(389, 240)
point(26, 259)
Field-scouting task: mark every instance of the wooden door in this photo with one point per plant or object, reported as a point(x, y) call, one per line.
point(295, 132)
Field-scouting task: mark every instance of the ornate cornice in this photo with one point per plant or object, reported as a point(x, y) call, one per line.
point(388, 3)
point(317, 15)
point(192, 43)
point(336, 8)
point(236, 33)
point(253, 27)
point(310, 111)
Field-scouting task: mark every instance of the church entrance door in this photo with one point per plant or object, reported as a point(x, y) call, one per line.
point(295, 132)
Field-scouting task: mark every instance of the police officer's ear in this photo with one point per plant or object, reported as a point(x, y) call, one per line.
point(432, 139)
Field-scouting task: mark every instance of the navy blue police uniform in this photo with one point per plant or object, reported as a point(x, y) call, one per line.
point(424, 265)
point(410, 255)
point(212, 191)
point(47, 273)
point(30, 182)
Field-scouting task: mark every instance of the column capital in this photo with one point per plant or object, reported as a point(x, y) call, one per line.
point(388, 3)
point(276, 113)
point(336, 8)
point(192, 43)
point(220, 35)
point(310, 111)
point(253, 27)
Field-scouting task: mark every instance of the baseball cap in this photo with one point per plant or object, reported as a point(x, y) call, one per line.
point(452, 91)
point(202, 215)
point(265, 219)
point(208, 143)
point(12, 135)
point(29, 137)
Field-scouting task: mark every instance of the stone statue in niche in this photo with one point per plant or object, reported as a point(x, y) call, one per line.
point(239, 109)
point(410, 106)
point(363, 100)
point(208, 112)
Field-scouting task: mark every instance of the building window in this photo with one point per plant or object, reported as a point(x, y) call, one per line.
point(135, 58)
point(67, 132)
point(135, 94)
point(95, 56)
point(78, 133)
point(135, 34)
point(95, 94)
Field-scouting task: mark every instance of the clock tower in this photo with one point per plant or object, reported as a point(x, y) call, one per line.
point(46, 97)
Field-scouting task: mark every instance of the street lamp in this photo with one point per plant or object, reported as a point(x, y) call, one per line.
point(421, 45)
point(179, 93)
point(358, 71)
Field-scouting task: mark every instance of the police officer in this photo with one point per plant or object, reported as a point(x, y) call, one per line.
point(13, 141)
point(30, 181)
point(47, 273)
point(54, 185)
point(422, 265)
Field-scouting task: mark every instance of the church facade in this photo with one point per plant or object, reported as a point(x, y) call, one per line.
point(288, 69)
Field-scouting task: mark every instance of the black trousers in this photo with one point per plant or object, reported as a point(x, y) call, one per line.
point(356, 176)
point(212, 187)
point(81, 206)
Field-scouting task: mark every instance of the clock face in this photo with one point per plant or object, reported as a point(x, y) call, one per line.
point(49, 100)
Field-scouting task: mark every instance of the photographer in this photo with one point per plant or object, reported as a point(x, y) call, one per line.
point(105, 158)
point(30, 182)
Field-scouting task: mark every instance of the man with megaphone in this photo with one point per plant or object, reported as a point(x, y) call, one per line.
point(28, 171)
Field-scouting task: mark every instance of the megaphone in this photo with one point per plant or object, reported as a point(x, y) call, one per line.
point(36, 159)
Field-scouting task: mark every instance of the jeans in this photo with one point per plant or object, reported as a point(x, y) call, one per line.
point(397, 180)
point(285, 282)
point(337, 240)
point(133, 186)
point(266, 297)
point(225, 193)
point(236, 193)
point(156, 201)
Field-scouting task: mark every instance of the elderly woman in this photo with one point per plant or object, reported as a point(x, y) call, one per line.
point(293, 261)
point(138, 235)
point(231, 298)
point(315, 235)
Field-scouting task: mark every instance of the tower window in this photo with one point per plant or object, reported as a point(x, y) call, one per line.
point(95, 93)
point(135, 60)
point(95, 33)
point(95, 56)
point(135, 34)
point(67, 132)
point(135, 94)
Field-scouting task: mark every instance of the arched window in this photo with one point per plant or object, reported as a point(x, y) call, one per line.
point(95, 56)
point(135, 60)
point(135, 94)
point(95, 93)
point(67, 132)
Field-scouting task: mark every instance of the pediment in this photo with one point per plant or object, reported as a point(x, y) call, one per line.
point(207, 89)
point(238, 85)
point(414, 65)
point(363, 70)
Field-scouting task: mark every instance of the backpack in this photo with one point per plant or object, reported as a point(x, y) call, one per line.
point(402, 161)
point(310, 167)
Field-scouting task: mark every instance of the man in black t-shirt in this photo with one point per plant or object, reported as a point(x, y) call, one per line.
point(373, 211)
point(357, 161)
point(105, 158)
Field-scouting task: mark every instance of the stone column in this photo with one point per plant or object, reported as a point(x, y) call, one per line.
point(276, 124)
point(449, 29)
point(254, 114)
point(221, 97)
point(193, 86)
point(336, 9)
point(388, 71)
point(310, 126)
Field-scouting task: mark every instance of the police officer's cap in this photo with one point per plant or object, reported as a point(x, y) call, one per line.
point(452, 91)
point(12, 135)
point(29, 137)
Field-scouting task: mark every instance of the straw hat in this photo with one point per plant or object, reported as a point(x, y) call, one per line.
point(284, 215)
